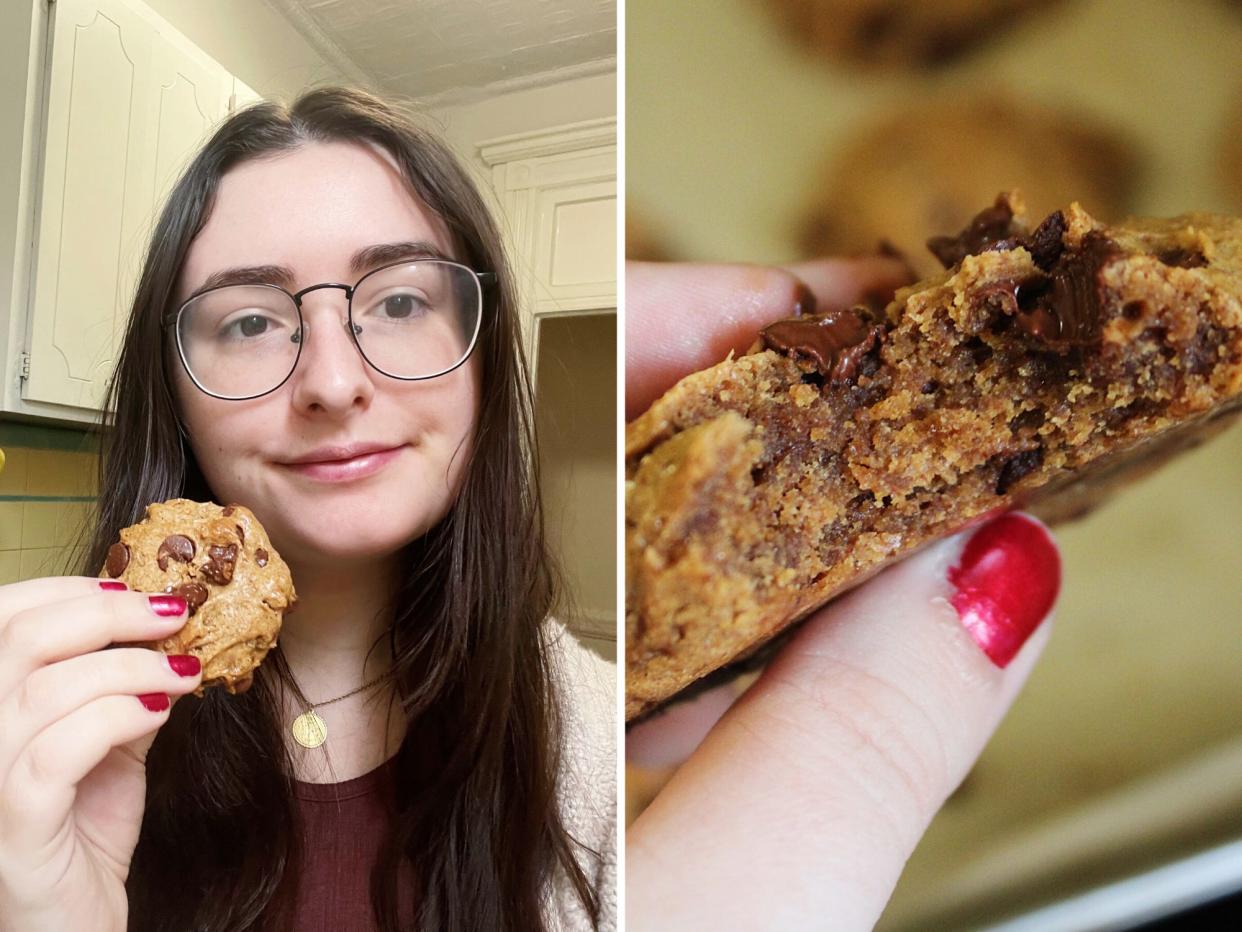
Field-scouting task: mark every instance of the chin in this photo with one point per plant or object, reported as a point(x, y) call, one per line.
point(348, 541)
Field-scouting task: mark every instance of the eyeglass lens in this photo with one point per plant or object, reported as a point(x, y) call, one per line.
point(411, 321)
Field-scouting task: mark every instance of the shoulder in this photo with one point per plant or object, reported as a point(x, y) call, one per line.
point(587, 700)
point(586, 691)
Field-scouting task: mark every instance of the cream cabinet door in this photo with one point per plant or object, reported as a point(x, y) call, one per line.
point(94, 201)
point(128, 101)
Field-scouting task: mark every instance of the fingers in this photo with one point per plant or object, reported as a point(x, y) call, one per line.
point(681, 318)
point(43, 633)
point(43, 780)
point(671, 735)
point(53, 692)
point(801, 806)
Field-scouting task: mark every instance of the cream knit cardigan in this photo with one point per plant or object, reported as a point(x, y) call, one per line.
point(588, 789)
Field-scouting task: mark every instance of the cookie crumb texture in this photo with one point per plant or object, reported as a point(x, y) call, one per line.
point(219, 559)
point(1041, 369)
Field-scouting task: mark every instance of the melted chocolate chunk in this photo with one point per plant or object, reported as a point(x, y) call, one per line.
point(989, 228)
point(175, 547)
point(836, 342)
point(1018, 466)
point(260, 557)
point(221, 561)
point(1076, 299)
point(1183, 258)
point(117, 560)
point(1062, 309)
point(195, 594)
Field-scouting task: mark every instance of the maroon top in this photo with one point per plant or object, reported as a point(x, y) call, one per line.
point(342, 826)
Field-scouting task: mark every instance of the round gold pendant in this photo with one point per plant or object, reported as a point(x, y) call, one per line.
point(309, 730)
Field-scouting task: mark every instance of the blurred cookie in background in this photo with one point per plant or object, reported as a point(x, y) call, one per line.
point(921, 171)
point(901, 34)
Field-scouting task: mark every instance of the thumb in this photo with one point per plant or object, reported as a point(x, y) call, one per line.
point(802, 805)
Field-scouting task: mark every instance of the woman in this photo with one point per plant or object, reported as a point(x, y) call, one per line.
point(268, 361)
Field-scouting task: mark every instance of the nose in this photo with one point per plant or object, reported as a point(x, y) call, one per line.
point(331, 376)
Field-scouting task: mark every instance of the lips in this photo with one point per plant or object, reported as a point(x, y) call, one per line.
point(344, 463)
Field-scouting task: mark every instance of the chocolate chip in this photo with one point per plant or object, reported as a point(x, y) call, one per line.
point(930, 387)
point(228, 510)
point(118, 559)
point(1045, 244)
point(1029, 420)
point(175, 547)
point(195, 594)
point(1182, 258)
point(987, 229)
point(1018, 466)
point(260, 557)
point(220, 563)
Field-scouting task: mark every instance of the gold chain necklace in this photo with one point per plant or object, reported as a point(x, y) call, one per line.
point(309, 729)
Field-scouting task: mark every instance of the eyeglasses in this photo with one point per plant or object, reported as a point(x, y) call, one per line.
point(412, 320)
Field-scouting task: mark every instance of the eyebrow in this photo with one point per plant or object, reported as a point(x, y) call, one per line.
point(365, 259)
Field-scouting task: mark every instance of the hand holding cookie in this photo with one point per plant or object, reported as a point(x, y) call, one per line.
point(76, 721)
point(801, 805)
point(219, 559)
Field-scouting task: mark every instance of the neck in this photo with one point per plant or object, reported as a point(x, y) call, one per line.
point(333, 643)
point(340, 622)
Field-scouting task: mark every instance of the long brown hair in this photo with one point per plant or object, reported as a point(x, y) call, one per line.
point(476, 812)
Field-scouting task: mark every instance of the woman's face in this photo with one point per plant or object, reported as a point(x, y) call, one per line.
point(341, 463)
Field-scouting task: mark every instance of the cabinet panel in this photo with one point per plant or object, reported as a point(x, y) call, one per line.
point(190, 98)
point(94, 204)
point(584, 238)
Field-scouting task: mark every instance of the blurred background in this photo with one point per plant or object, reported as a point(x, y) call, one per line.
point(770, 130)
point(102, 102)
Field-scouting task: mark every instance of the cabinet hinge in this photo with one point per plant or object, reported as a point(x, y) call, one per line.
point(23, 371)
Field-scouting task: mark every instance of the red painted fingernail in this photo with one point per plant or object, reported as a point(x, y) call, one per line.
point(1007, 580)
point(154, 702)
point(111, 585)
point(167, 606)
point(185, 664)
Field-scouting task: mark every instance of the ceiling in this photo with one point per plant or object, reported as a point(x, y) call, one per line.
point(447, 50)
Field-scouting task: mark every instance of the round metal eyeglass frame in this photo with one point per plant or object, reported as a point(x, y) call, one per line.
point(484, 280)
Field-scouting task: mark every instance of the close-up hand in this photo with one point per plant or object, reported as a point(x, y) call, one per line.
point(76, 722)
point(799, 807)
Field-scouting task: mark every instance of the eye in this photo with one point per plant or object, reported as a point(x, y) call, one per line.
point(252, 325)
point(400, 306)
point(248, 327)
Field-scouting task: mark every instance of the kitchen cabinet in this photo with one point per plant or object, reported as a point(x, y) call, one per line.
point(558, 193)
point(123, 101)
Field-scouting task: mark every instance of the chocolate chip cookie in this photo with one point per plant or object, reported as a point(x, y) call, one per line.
point(924, 169)
point(1041, 369)
point(218, 559)
point(900, 34)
